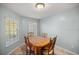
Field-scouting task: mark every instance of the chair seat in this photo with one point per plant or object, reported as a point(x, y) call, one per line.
point(46, 52)
point(46, 48)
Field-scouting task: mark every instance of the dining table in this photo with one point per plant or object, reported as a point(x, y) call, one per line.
point(38, 43)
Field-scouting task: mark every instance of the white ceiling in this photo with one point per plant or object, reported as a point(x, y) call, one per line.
point(29, 10)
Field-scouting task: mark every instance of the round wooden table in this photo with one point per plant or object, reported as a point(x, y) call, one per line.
point(38, 43)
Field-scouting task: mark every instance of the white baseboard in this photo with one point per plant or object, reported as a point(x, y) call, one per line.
point(66, 50)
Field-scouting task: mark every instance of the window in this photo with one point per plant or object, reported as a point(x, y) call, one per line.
point(32, 27)
point(11, 28)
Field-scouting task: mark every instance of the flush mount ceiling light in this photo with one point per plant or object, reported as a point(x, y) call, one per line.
point(40, 5)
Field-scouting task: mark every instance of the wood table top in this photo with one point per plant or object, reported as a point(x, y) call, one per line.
point(39, 41)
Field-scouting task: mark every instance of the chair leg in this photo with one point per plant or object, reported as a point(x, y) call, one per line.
point(48, 52)
point(26, 51)
point(30, 51)
point(53, 51)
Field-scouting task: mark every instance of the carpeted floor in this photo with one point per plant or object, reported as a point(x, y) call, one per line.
point(22, 51)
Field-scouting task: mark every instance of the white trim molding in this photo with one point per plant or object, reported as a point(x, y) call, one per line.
point(66, 50)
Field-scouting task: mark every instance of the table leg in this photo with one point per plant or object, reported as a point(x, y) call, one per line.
point(35, 51)
point(39, 51)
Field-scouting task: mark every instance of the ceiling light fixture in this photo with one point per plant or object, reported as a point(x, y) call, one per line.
point(40, 5)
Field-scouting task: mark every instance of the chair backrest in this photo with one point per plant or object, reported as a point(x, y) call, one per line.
point(45, 35)
point(30, 34)
point(25, 39)
point(54, 41)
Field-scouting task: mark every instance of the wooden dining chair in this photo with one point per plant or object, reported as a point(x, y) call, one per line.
point(49, 49)
point(28, 48)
